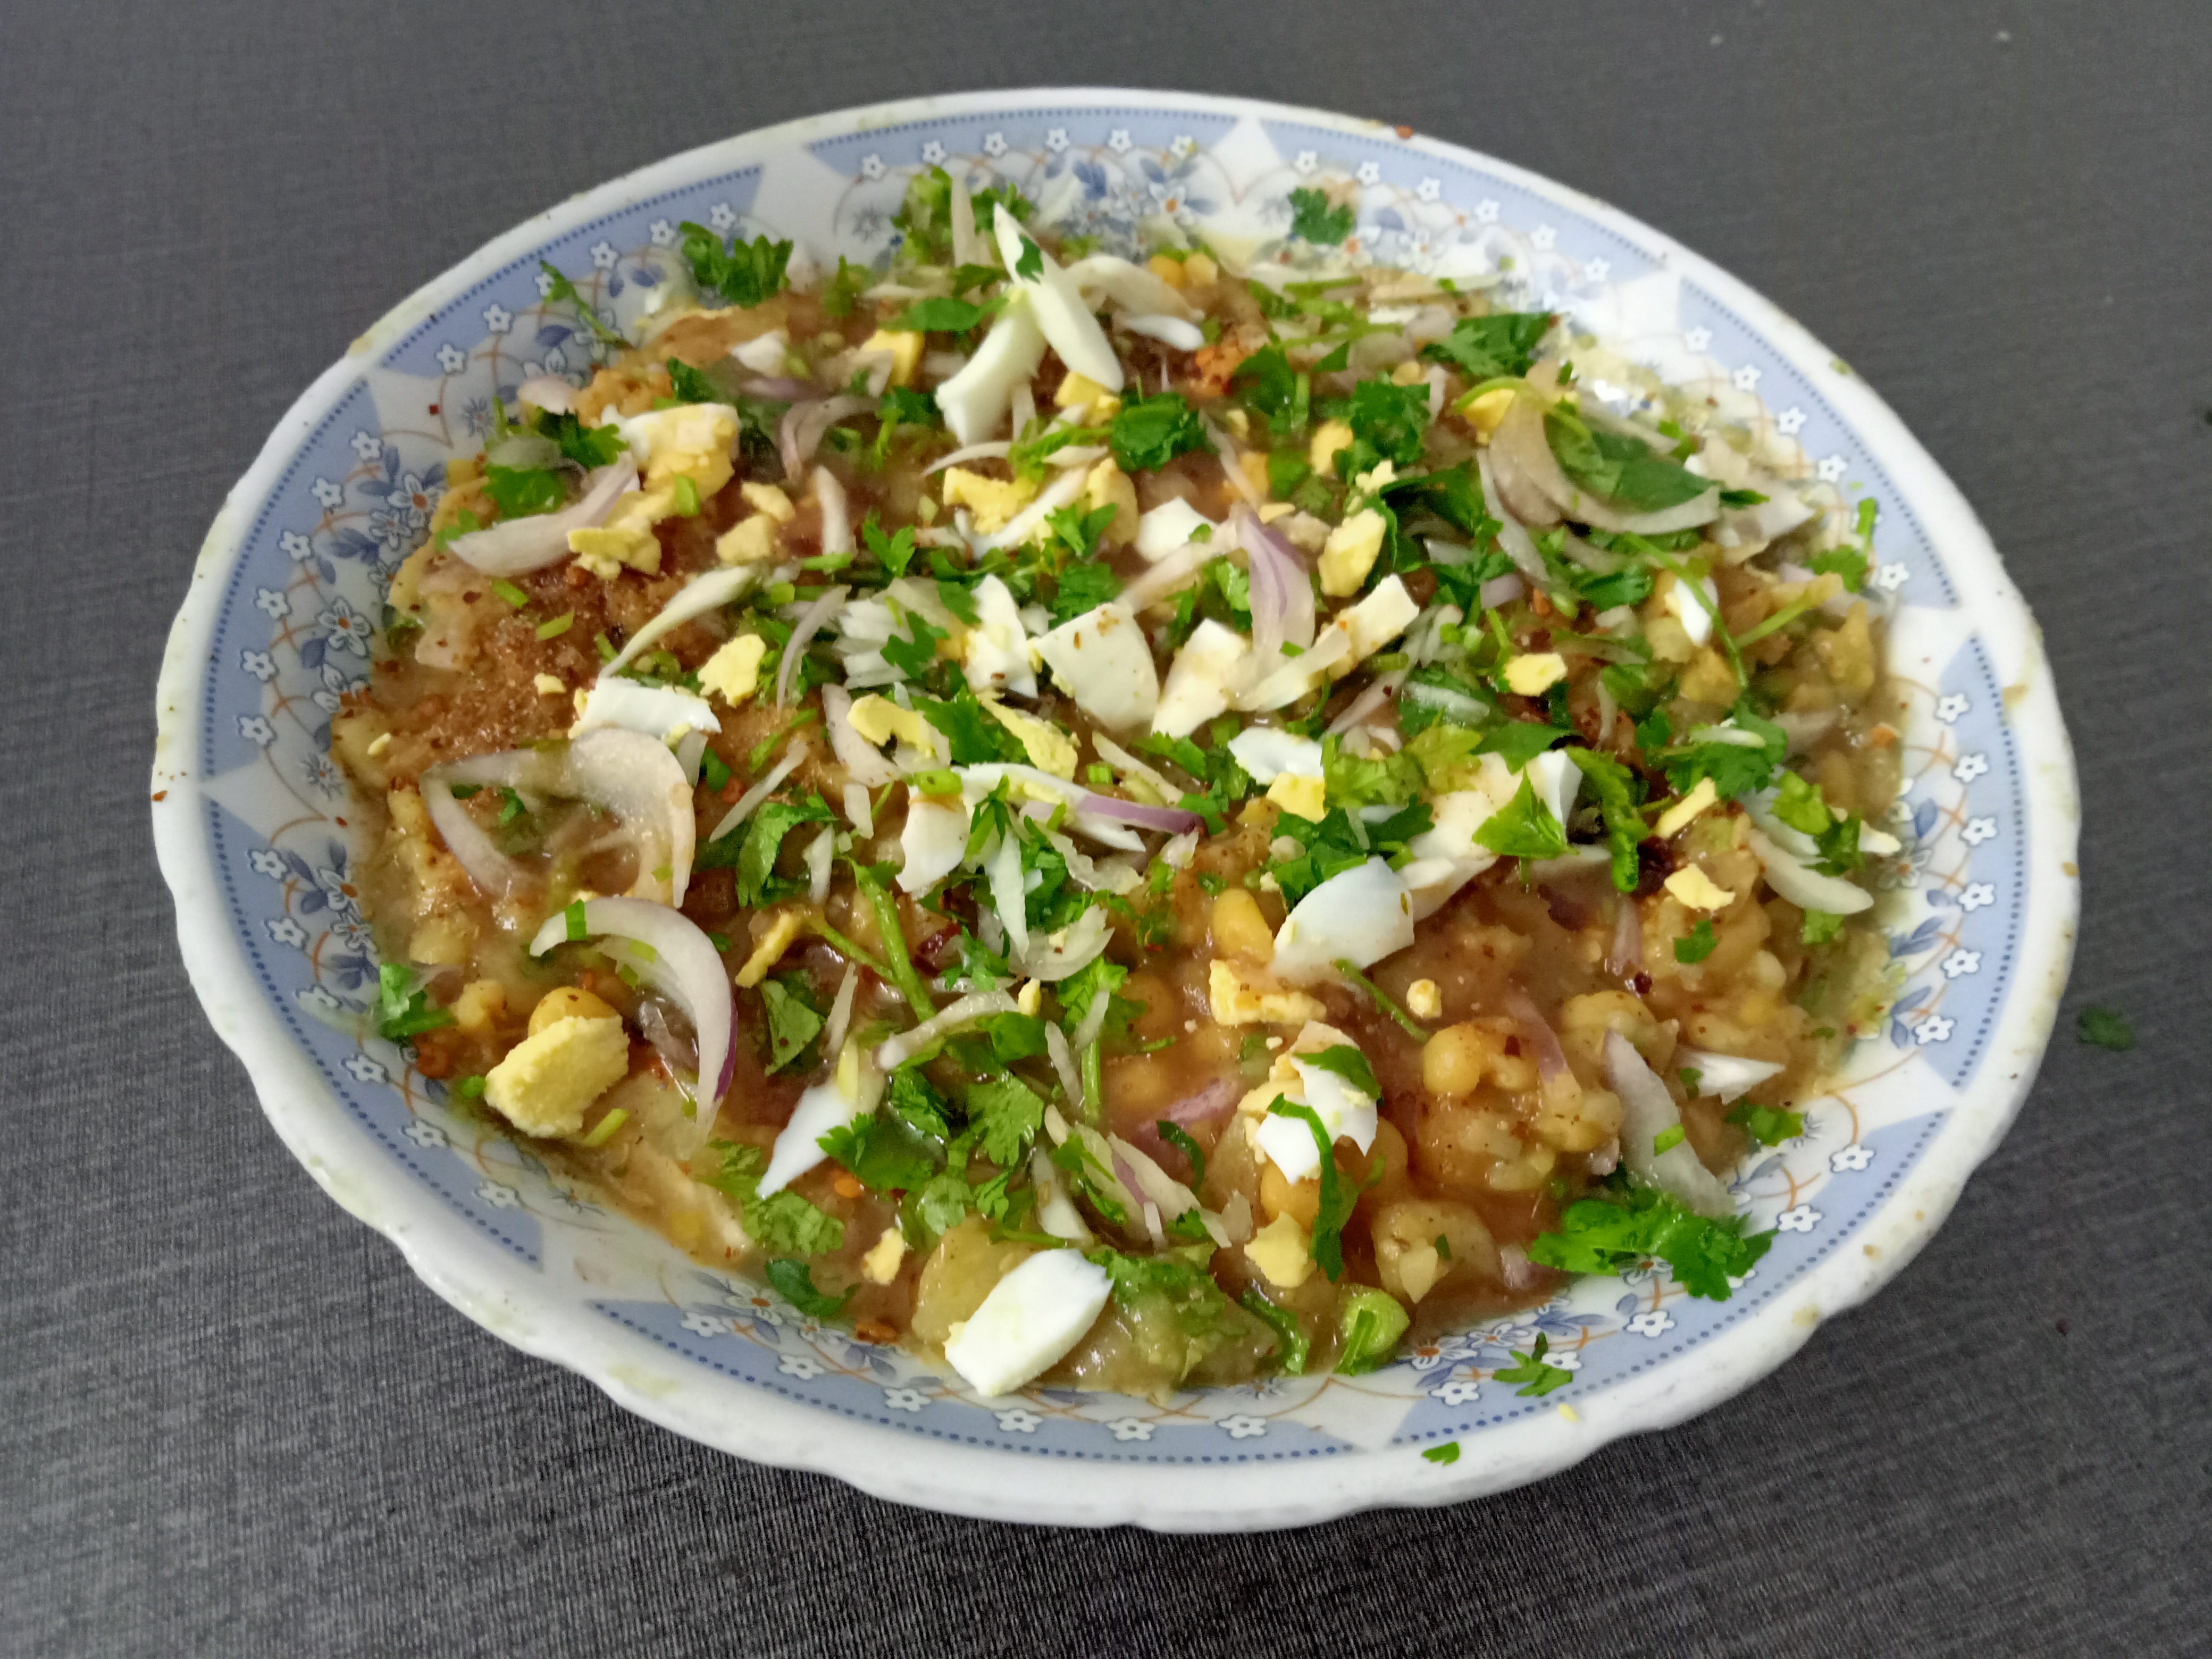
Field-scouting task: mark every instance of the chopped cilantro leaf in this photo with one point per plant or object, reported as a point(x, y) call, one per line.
point(1537, 1379)
point(1818, 927)
point(1278, 394)
point(1084, 587)
point(1387, 422)
point(757, 882)
point(1150, 432)
point(1622, 469)
point(883, 1152)
point(1502, 344)
point(558, 286)
point(1313, 219)
point(784, 1223)
point(403, 1008)
point(1337, 1197)
point(1348, 1063)
point(1176, 1137)
point(744, 274)
point(914, 652)
point(794, 1019)
point(1005, 1114)
point(1518, 742)
point(1698, 944)
point(1447, 1453)
point(976, 738)
point(894, 553)
point(1605, 1235)
point(1619, 793)
point(1767, 1125)
point(524, 492)
point(2105, 1028)
point(796, 1282)
point(1523, 828)
point(587, 446)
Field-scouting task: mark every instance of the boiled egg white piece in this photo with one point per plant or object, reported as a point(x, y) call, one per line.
point(1031, 1318)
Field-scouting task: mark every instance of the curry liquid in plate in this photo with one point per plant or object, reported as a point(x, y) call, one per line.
point(1315, 706)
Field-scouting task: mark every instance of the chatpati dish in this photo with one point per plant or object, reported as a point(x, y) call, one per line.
point(1193, 812)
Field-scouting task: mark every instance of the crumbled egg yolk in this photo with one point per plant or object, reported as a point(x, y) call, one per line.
point(1677, 818)
point(879, 719)
point(1303, 797)
point(1534, 673)
point(1693, 889)
point(1049, 748)
point(1484, 415)
point(1238, 1001)
point(548, 1079)
point(733, 671)
point(994, 502)
point(1424, 1000)
point(750, 541)
point(904, 346)
point(787, 927)
point(1350, 553)
point(1327, 438)
point(1280, 1250)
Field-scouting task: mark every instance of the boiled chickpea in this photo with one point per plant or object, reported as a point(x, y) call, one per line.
point(567, 1002)
point(1454, 1060)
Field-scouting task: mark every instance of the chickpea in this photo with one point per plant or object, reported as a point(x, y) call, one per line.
point(567, 1002)
point(1406, 1256)
point(1454, 1060)
point(1240, 931)
point(1585, 1021)
point(1576, 1120)
point(1458, 1143)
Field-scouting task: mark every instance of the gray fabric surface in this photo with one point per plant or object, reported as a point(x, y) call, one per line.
point(229, 1420)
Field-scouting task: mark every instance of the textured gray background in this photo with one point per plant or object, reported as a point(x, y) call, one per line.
point(229, 1420)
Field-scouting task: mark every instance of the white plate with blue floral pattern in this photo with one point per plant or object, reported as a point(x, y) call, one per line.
point(250, 821)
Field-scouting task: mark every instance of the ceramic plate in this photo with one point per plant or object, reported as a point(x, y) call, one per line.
point(250, 816)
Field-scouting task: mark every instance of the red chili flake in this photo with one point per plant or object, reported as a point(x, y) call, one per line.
point(433, 409)
point(1403, 132)
point(163, 794)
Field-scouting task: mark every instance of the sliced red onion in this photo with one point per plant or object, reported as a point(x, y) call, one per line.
point(495, 875)
point(1522, 451)
point(1171, 820)
point(642, 783)
point(1093, 1022)
point(1169, 330)
point(798, 434)
point(1803, 885)
point(549, 392)
point(523, 450)
point(1282, 593)
point(684, 966)
point(696, 599)
point(841, 1012)
point(1016, 531)
point(1232, 460)
point(683, 1057)
point(969, 247)
point(1210, 1104)
point(994, 449)
point(956, 1017)
point(1129, 286)
point(1459, 706)
point(1082, 942)
point(1378, 693)
point(780, 388)
point(1003, 867)
point(760, 791)
point(633, 775)
point(1512, 538)
point(1515, 1270)
point(809, 622)
point(1171, 573)
point(515, 546)
point(1500, 590)
point(764, 353)
point(866, 763)
point(1625, 958)
point(836, 512)
point(1648, 1112)
point(1536, 1032)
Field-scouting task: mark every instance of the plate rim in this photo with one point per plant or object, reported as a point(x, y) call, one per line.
point(985, 1483)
